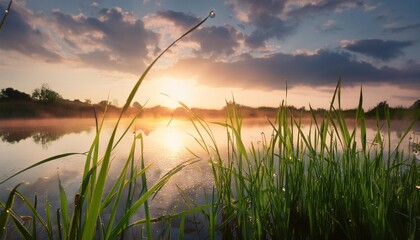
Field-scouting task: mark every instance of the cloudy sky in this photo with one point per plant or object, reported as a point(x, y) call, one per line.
point(98, 49)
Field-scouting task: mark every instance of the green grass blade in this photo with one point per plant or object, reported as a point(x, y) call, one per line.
point(64, 208)
point(59, 227)
point(35, 213)
point(144, 184)
point(24, 232)
point(123, 221)
point(56, 157)
point(6, 210)
point(34, 218)
point(181, 228)
point(48, 217)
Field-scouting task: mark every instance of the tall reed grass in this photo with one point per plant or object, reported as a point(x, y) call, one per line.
point(329, 183)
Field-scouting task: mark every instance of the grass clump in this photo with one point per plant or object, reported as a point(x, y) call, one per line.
point(329, 182)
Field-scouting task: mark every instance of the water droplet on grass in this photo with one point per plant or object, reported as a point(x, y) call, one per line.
point(212, 14)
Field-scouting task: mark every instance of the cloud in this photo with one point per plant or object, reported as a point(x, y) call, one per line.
point(319, 69)
point(310, 8)
point(279, 19)
point(214, 41)
point(398, 29)
point(330, 26)
point(269, 27)
point(266, 20)
point(18, 34)
point(180, 19)
point(115, 40)
point(381, 49)
point(217, 41)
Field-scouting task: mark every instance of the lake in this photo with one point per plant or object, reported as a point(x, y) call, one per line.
point(25, 142)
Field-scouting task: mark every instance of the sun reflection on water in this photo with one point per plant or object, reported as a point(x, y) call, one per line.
point(173, 139)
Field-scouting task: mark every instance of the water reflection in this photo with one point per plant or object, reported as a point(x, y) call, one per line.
point(42, 132)
point(164, 146)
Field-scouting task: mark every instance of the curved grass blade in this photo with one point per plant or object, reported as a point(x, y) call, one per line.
point(6, 210)
point(35, 213)
point(42, 162)
point(140, 202)
point(137, 85)
point(6, 12)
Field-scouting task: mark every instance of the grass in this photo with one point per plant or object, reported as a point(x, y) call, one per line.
point(327, 183)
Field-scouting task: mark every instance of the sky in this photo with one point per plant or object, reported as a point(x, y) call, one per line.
point(250, 52)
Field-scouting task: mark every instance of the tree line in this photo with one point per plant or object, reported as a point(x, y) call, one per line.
point(45, 102)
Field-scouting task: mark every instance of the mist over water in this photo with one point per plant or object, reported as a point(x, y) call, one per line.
point(25, 142)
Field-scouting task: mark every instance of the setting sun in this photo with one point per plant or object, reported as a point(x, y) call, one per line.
point(176, 90)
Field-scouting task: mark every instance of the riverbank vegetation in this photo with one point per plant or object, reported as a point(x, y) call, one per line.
point(47, 103)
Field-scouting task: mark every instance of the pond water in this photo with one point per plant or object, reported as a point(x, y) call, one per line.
point(25, 142)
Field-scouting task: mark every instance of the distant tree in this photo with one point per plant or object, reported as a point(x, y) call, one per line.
point(416, 105)
point(103, 103)
point(382, 106)
point(88, 101)
point(45, 94)
point(13, 94)
point(137, 105)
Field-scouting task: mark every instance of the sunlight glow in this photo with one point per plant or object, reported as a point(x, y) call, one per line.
point(173, 139)
point(177, 90)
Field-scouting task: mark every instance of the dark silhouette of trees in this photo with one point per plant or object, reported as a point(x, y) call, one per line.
point(13, 94)
point(416, 105)
point(45, 94)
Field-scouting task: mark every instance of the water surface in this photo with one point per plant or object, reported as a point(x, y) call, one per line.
point(25, 142)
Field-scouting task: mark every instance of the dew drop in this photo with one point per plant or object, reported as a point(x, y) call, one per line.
point(284, 189)
point(6, 11)
point(212, 14)
point(274, 175)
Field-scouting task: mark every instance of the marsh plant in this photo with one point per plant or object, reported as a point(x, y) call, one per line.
point(328, 183)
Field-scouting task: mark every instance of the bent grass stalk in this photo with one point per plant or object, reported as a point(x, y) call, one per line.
point(91, 201)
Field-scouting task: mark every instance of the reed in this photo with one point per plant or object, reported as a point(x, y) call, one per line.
point(324, 183)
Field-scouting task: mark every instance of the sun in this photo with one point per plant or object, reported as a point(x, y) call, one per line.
point(176, 90)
